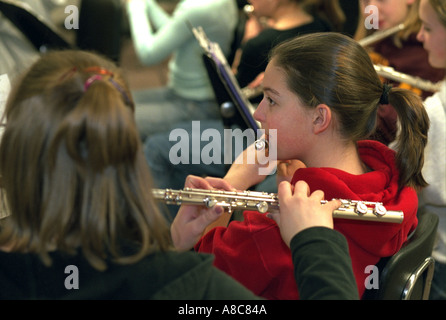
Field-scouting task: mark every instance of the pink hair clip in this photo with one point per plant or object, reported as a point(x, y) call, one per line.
point(90, 80)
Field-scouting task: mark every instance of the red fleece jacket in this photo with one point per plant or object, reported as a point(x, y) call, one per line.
point(252, 251)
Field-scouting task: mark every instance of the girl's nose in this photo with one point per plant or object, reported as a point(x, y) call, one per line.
point(420, 35)
point(259, 115)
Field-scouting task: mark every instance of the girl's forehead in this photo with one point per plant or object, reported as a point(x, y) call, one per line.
point(274, 73)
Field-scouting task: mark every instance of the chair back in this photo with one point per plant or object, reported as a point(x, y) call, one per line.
point(407, 275)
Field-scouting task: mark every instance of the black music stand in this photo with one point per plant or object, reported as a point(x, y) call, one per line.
point(235, 108)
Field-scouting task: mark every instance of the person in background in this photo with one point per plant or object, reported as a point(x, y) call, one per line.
point(401, 51)
point(328, 140)
point(158, 36)
point(284, 19)
point(433, 36)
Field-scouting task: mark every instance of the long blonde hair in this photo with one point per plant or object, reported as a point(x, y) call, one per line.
point(72, 165)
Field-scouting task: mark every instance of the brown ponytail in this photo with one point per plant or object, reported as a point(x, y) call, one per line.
point(412, 137)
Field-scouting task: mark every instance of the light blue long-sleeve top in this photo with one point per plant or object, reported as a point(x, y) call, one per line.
point(158, 35)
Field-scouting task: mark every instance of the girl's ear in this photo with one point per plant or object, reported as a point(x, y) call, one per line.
point(321, 118)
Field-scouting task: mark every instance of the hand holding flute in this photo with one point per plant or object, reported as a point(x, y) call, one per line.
point(299, 211)
point(191, 221)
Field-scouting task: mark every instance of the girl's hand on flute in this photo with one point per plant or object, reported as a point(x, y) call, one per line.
point(300, 210)
point(192, 220)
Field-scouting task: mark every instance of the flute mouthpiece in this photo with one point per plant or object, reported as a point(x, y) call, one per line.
point(261, 144)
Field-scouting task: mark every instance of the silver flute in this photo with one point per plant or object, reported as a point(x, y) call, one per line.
point(417, 82)
point(269, 202)
point(379, 35)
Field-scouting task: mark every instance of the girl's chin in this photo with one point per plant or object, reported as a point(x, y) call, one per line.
point(436, 63)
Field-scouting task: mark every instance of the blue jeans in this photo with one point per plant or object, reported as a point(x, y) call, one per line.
point(166, 174)
point(158, 109)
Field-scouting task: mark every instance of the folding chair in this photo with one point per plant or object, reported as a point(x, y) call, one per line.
point(407, 275)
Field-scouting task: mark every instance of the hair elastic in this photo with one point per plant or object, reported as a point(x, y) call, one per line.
point(122, 91)
point(99, 72)
point(384, 99)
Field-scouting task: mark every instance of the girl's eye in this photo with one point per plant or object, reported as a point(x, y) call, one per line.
point(270, 101)
point(425, 28)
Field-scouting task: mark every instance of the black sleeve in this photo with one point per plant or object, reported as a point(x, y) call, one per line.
point(322, 265)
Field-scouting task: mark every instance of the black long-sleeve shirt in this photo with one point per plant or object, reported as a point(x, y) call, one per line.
point(322, 265)
point(320, 255)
